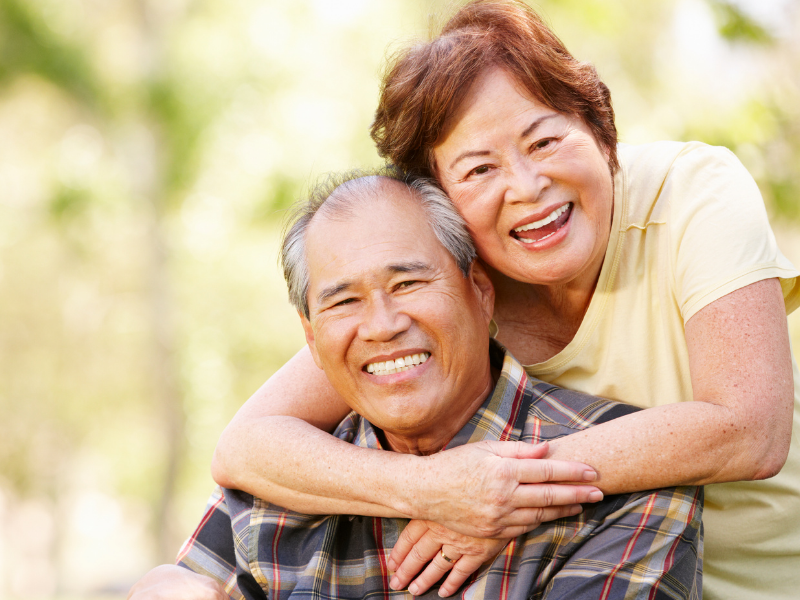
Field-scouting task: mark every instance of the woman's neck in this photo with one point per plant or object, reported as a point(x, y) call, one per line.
point(537, 322)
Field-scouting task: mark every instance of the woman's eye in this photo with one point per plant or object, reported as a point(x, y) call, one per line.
point(480, 170)
point(543, 143)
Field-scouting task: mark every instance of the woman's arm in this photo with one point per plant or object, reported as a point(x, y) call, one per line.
point(171, 582)
point(739, 426)
point(477, 489)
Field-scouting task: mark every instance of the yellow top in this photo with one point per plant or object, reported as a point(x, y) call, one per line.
point(689, 226)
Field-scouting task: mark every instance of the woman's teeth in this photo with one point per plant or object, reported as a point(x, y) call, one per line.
point(546, 221)
point(396, 366)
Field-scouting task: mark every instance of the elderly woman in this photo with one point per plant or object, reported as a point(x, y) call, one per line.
point(643, 274)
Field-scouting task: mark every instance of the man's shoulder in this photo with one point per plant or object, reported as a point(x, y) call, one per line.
point(570, 408)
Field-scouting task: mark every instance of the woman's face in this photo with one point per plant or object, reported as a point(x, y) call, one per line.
point(533, 184)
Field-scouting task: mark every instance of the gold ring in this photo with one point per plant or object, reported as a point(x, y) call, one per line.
point(447, 558)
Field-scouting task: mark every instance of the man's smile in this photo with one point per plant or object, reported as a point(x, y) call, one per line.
point(404, 363)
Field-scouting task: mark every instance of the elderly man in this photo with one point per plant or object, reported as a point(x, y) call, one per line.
point(396, 312)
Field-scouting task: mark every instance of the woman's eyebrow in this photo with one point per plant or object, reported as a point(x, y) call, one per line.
point(528, 130)
point(532, 127)
point(468, 154)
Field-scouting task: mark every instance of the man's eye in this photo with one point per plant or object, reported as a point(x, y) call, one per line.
point(543, 143)
point(405, 284)
point(345, 301)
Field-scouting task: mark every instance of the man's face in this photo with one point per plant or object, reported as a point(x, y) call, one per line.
point(383, 288)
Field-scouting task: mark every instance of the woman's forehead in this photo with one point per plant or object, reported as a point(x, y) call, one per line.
point(497, 105)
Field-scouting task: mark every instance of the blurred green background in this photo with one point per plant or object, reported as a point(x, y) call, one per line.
point(148, 150)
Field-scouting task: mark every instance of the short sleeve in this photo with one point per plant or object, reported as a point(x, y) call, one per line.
point(719, 234)
point(211, 550)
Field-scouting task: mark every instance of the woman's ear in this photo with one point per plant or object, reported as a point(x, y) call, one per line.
point(484, 289)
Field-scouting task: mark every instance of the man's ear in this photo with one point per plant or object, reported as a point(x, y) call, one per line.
point(312, 346)
point(484, 289)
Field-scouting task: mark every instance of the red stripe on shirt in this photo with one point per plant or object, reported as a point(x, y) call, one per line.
point(377, 532)
point(505, 435)
point(670, 560)
point(190, 542)
point(629, 547)
point(507, 564)
point(276, 572)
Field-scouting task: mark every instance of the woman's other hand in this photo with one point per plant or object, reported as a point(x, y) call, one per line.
point(500, 489)
point(428, 543)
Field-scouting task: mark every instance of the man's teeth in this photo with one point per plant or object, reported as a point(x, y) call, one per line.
point(396, 366)
point(542, 222)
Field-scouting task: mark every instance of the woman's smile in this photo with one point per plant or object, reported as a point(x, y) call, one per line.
point(540, 230)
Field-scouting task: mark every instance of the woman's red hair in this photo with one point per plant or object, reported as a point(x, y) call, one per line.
point(424, 85)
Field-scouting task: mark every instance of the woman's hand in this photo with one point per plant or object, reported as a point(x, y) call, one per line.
point(499, 489)
point(426, 542)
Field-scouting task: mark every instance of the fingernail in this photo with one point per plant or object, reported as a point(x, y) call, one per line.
point(595, 496)
point(442, 594)
point(589, 475)
point(391, 564)
point(394, 583)
point(575, 510)
point(413, 589)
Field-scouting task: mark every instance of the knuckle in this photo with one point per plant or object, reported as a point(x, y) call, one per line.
point(489, 532)
point(416, 555)
point(537, 516)
point(548, 495)
point(461, 573)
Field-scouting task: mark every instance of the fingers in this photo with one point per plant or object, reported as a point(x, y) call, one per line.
point(537, 471)
point(461, 570)
point(524, 520)
point(417, 557)
point(410, 535)
point(437, 568)
point(543, 495)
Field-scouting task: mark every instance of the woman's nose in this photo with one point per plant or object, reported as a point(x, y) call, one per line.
point(382, 320)
point(525, 181)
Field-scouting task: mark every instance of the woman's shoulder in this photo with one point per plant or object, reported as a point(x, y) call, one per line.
point(661, 178)
point(658, 159)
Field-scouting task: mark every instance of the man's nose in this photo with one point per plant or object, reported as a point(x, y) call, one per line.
point(383, 320)
point(525, 181)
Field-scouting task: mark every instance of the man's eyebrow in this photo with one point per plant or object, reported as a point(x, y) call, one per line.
point(528, 130)
point(329, 292)
point(409, 267)
point(406, 267)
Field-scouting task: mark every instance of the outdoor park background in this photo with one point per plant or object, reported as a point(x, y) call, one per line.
point(148, 150)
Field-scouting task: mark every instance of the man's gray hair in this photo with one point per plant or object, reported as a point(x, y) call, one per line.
point(339, 195)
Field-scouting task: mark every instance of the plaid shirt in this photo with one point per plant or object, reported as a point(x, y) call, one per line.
point(640, 545)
